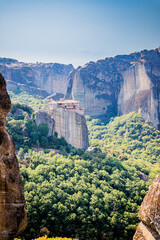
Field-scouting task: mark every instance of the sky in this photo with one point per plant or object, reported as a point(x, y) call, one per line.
point(77, 31)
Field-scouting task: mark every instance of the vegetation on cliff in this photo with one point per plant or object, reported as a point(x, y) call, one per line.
point(35, 102)
point(22, 128)
point(134, 141)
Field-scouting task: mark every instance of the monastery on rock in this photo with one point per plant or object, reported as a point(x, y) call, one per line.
point(70, 105)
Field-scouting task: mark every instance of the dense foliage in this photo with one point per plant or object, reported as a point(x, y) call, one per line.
point(89, 196)
point(134, 141)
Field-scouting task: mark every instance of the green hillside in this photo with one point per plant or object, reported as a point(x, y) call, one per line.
point(131, 139)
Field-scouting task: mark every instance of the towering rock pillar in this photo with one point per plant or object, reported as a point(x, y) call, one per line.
point(13, 219)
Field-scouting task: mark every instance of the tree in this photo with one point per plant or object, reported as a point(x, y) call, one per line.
point(43, 130)
point(30, 126)
point(34, 137)
point(44, 141)
point(56, 134)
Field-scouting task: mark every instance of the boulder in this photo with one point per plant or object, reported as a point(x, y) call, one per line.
point(144, 232)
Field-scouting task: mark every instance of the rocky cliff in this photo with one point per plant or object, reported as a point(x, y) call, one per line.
point(149, 213)
point(13, 86)
point(72, 126)
point(13, 218)
point(44, 117)
point(119, 85)
point(68, 124)
point(52, 77)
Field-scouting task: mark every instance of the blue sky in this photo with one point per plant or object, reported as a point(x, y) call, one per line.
point(73, 31)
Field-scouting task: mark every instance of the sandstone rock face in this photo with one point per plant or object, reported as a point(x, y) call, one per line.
point(96, 87)
point(44, 117)
point(13, 86)
point(149, 214)
point(55, 96)
point(13, 218)
point(52, 77)
point(119, 85)
point(144, 232)
point(137, 92)
point(72, 126)
point(68, 124)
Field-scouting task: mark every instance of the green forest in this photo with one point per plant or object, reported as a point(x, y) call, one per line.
point(80, 194)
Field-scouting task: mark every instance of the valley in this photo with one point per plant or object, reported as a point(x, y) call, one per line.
point(99, 191)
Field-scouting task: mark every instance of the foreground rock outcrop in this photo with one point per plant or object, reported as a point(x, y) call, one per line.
point(149, 213)
point(119, 85)
point(13, 219)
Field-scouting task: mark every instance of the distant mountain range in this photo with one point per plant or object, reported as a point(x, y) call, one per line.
point(37, 78)
point(112, 86)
